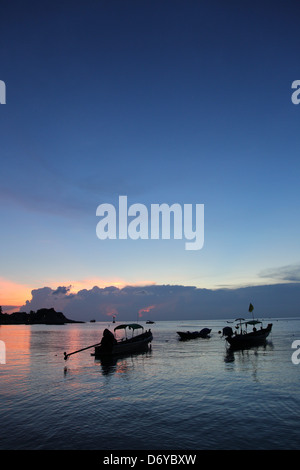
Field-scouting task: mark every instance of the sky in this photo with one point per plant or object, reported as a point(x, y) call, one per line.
point(185, 102)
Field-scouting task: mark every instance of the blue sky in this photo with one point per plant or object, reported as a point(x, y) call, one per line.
point(165, 102)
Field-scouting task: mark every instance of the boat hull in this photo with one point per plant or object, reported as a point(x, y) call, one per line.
point(247, 340)
point(204, 333)
point(134, 344)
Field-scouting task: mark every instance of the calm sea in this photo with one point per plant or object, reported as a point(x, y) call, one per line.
point(180, 395)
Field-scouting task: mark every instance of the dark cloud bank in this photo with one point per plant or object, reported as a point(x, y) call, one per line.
point(168, 302)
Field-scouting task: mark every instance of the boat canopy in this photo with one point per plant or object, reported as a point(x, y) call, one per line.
point(131, 326)
point(248, 322)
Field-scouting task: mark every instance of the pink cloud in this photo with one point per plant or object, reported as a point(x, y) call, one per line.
point(145, 310)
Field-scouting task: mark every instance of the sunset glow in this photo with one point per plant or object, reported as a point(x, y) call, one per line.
point(13, 293)
point(145, 310)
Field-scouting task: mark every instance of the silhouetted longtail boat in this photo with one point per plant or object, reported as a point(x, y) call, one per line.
point(243, 338)
point(110, 346)
point(204, 333)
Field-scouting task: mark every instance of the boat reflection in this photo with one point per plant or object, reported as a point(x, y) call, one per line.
point(121, 363)
point(247, 359)
point(232, 353)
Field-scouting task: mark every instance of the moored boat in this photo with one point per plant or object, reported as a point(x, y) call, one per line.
point(110, 346)
point(242, 338)
point(245, 339)
point(204, 333)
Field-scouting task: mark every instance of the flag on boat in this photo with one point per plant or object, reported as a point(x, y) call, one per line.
point(251, 308)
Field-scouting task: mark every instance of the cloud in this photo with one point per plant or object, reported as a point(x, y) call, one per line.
point(145, 310)
point(10, 308)
point(289, 273)
point(61, 290)
point(168, 302)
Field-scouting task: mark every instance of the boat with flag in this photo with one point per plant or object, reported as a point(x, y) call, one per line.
point(242, 337)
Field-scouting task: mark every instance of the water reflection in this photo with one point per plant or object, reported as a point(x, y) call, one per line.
point(121, 364)
point(247, 358)
point(230, 352)
point(17, 341)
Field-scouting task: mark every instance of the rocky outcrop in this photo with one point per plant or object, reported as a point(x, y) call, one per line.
point(44, 316)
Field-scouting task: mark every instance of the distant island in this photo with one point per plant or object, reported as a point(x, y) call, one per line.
point(43, 316)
